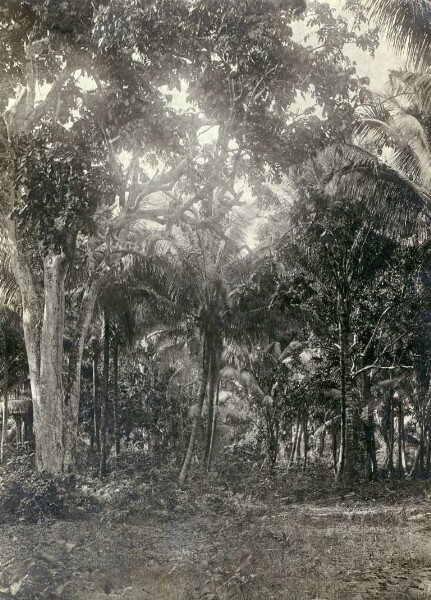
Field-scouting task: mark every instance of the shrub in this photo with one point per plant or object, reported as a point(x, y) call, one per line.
point(31, 496)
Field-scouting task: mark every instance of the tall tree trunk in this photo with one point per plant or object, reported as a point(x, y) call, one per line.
point(196, 419)
point(49, 417)
point(117, 433)
point(348, 445)
point(419, 466)
point(334, 449)
point(306, 445)
point(294, 443)
point(105, 392)
point(214, 431)
point(401, 458)
point(299, 442)
point(387, 431)
point(370, 438)
point(391, 434)
point(214, 423)
point(55, 405)
point(96, 404)
point(343, 367)
point(3, 446)
point(73, 381)
point(369, 427)
point(319, 440)
point(211, 394)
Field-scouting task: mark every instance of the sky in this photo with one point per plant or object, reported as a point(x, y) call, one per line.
point(375, 68)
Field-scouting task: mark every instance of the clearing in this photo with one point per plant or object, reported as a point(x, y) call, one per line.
point(142, 538)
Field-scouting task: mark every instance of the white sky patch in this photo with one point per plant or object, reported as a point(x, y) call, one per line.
point(375, 68)
point(178, 98)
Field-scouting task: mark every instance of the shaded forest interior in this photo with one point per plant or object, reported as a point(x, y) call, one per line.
point(215, 261)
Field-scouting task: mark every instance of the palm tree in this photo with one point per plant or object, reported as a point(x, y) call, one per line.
point(209, 312)
point(338, 238)
point(407, 25)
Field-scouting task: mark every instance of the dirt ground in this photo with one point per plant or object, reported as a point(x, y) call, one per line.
point(229, 546)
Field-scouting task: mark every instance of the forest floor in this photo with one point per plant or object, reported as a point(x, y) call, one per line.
point(137, 537)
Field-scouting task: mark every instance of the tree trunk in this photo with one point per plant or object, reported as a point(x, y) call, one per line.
point(104, 403)
point(196, 419)
point(294, 443)
point(320, 439)
point(272, 428)
point(55, 405)
point(299, 442)
point(370, 439)
point(28, 425)
point(418, 466)
point(49, 417)
point(387, 432)
point(334, 449)
point(306, 445)
point(348, 454)
point(369, 428)
point(73, 382)
point(18, 430)
point(3, 444)
point(117, 433)
point(211, 394)
point(96, 405)
point(401, 457)
point(214, 421)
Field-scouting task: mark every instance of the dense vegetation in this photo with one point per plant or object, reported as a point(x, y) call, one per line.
point(215, 257)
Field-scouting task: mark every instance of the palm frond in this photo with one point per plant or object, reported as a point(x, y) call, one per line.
point(9, 290)
point(389, 193)
point(414, 86)
point(407, 25)
point(407, 136)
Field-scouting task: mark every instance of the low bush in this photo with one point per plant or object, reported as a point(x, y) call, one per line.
point(31, 496)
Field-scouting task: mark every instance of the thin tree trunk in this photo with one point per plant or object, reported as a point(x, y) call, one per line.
point(417, 469)
point(305, 428)
point(3, 446)
point(18, 425)
point(272, 427)
point(294, 443)
point(320, 441)
point(371, 444)
point(104, 403)
point(404, 449)
point(211, 393)
point(299, 442)
point(196, 419)
point(391, 434)
point(117, 433)
point(348, 455)
point(387, 432)
point(214, 424)
point(369, 428)
point(334, 449)
point(343, 368)
point(400, 463)
point(96, 405)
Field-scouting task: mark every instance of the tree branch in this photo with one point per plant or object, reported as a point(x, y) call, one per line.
point(42, 108)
